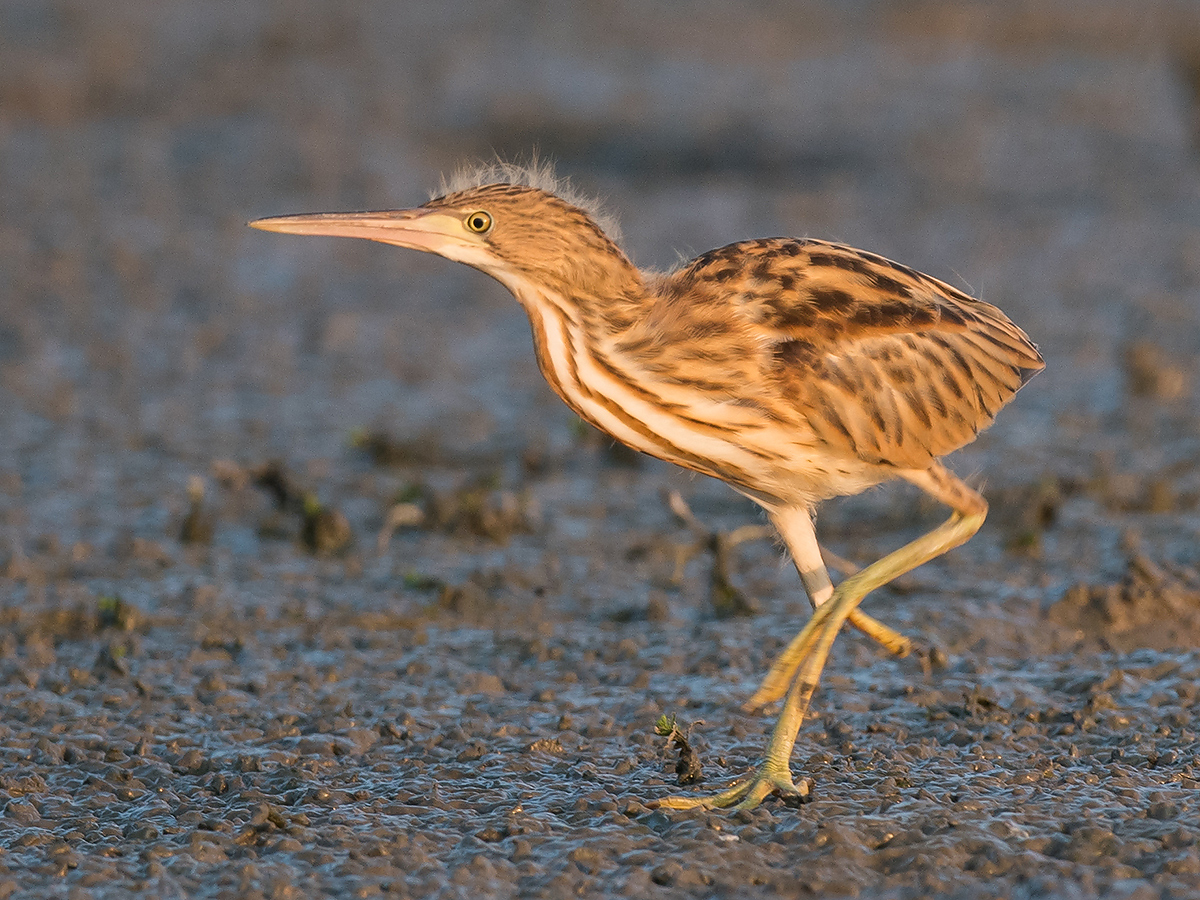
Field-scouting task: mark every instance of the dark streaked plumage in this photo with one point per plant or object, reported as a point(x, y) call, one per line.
point(795, 370)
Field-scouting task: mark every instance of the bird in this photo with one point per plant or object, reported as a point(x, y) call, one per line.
point(795, 370)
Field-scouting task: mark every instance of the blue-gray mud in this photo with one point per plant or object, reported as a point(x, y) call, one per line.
point(203, 693)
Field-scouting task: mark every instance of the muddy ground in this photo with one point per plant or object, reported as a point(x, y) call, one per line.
point(310, 587)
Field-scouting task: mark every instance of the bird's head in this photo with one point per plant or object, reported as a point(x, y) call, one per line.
point(521, 235)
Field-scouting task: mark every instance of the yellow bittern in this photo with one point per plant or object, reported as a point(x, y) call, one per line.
point(795, 370)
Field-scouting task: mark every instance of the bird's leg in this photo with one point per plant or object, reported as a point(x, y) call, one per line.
point(809, 651)
point(795, 526)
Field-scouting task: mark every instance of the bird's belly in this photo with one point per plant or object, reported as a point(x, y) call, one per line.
point(809, 476)
point(769, 460)
point(774, 470)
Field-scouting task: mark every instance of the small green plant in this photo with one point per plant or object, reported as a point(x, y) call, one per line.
point(420, 582)
point(687, 767)
point(113, 612)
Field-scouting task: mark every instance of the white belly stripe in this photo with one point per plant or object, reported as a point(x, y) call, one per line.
point(674, 432)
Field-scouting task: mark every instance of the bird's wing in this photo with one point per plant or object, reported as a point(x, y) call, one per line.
point(887, 364)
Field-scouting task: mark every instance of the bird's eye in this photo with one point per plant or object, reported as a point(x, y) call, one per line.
point(479, 222)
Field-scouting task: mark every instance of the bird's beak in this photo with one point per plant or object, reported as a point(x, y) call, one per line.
point(431, 230)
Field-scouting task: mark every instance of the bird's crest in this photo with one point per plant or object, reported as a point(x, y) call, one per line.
point(537, 173)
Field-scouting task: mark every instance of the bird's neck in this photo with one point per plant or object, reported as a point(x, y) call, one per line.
point(607, 302)
point(575, 326)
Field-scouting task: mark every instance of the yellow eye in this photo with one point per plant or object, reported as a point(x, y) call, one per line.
point(479, 222)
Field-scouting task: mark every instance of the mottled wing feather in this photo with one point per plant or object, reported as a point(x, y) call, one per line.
point(887, 364)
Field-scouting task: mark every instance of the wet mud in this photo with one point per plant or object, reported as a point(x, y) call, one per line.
point(310, 587)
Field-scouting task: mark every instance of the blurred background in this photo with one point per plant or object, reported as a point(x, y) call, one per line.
point(294, 536)
point(1040, 154)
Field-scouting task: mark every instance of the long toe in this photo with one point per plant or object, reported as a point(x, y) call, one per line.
point(746, 793)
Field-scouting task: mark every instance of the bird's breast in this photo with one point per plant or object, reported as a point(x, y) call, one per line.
point(686, 414)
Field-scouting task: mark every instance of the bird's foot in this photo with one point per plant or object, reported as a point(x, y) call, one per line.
point(769, 778)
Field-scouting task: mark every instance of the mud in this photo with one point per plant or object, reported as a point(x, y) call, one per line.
point(310, 587)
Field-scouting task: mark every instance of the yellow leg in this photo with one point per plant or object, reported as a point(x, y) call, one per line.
point(892, 640)
point(802, 662)
point(796, 527)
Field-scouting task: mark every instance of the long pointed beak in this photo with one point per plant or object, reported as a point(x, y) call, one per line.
point(431, 230)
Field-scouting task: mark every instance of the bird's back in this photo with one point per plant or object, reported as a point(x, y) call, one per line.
point(870, 361)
